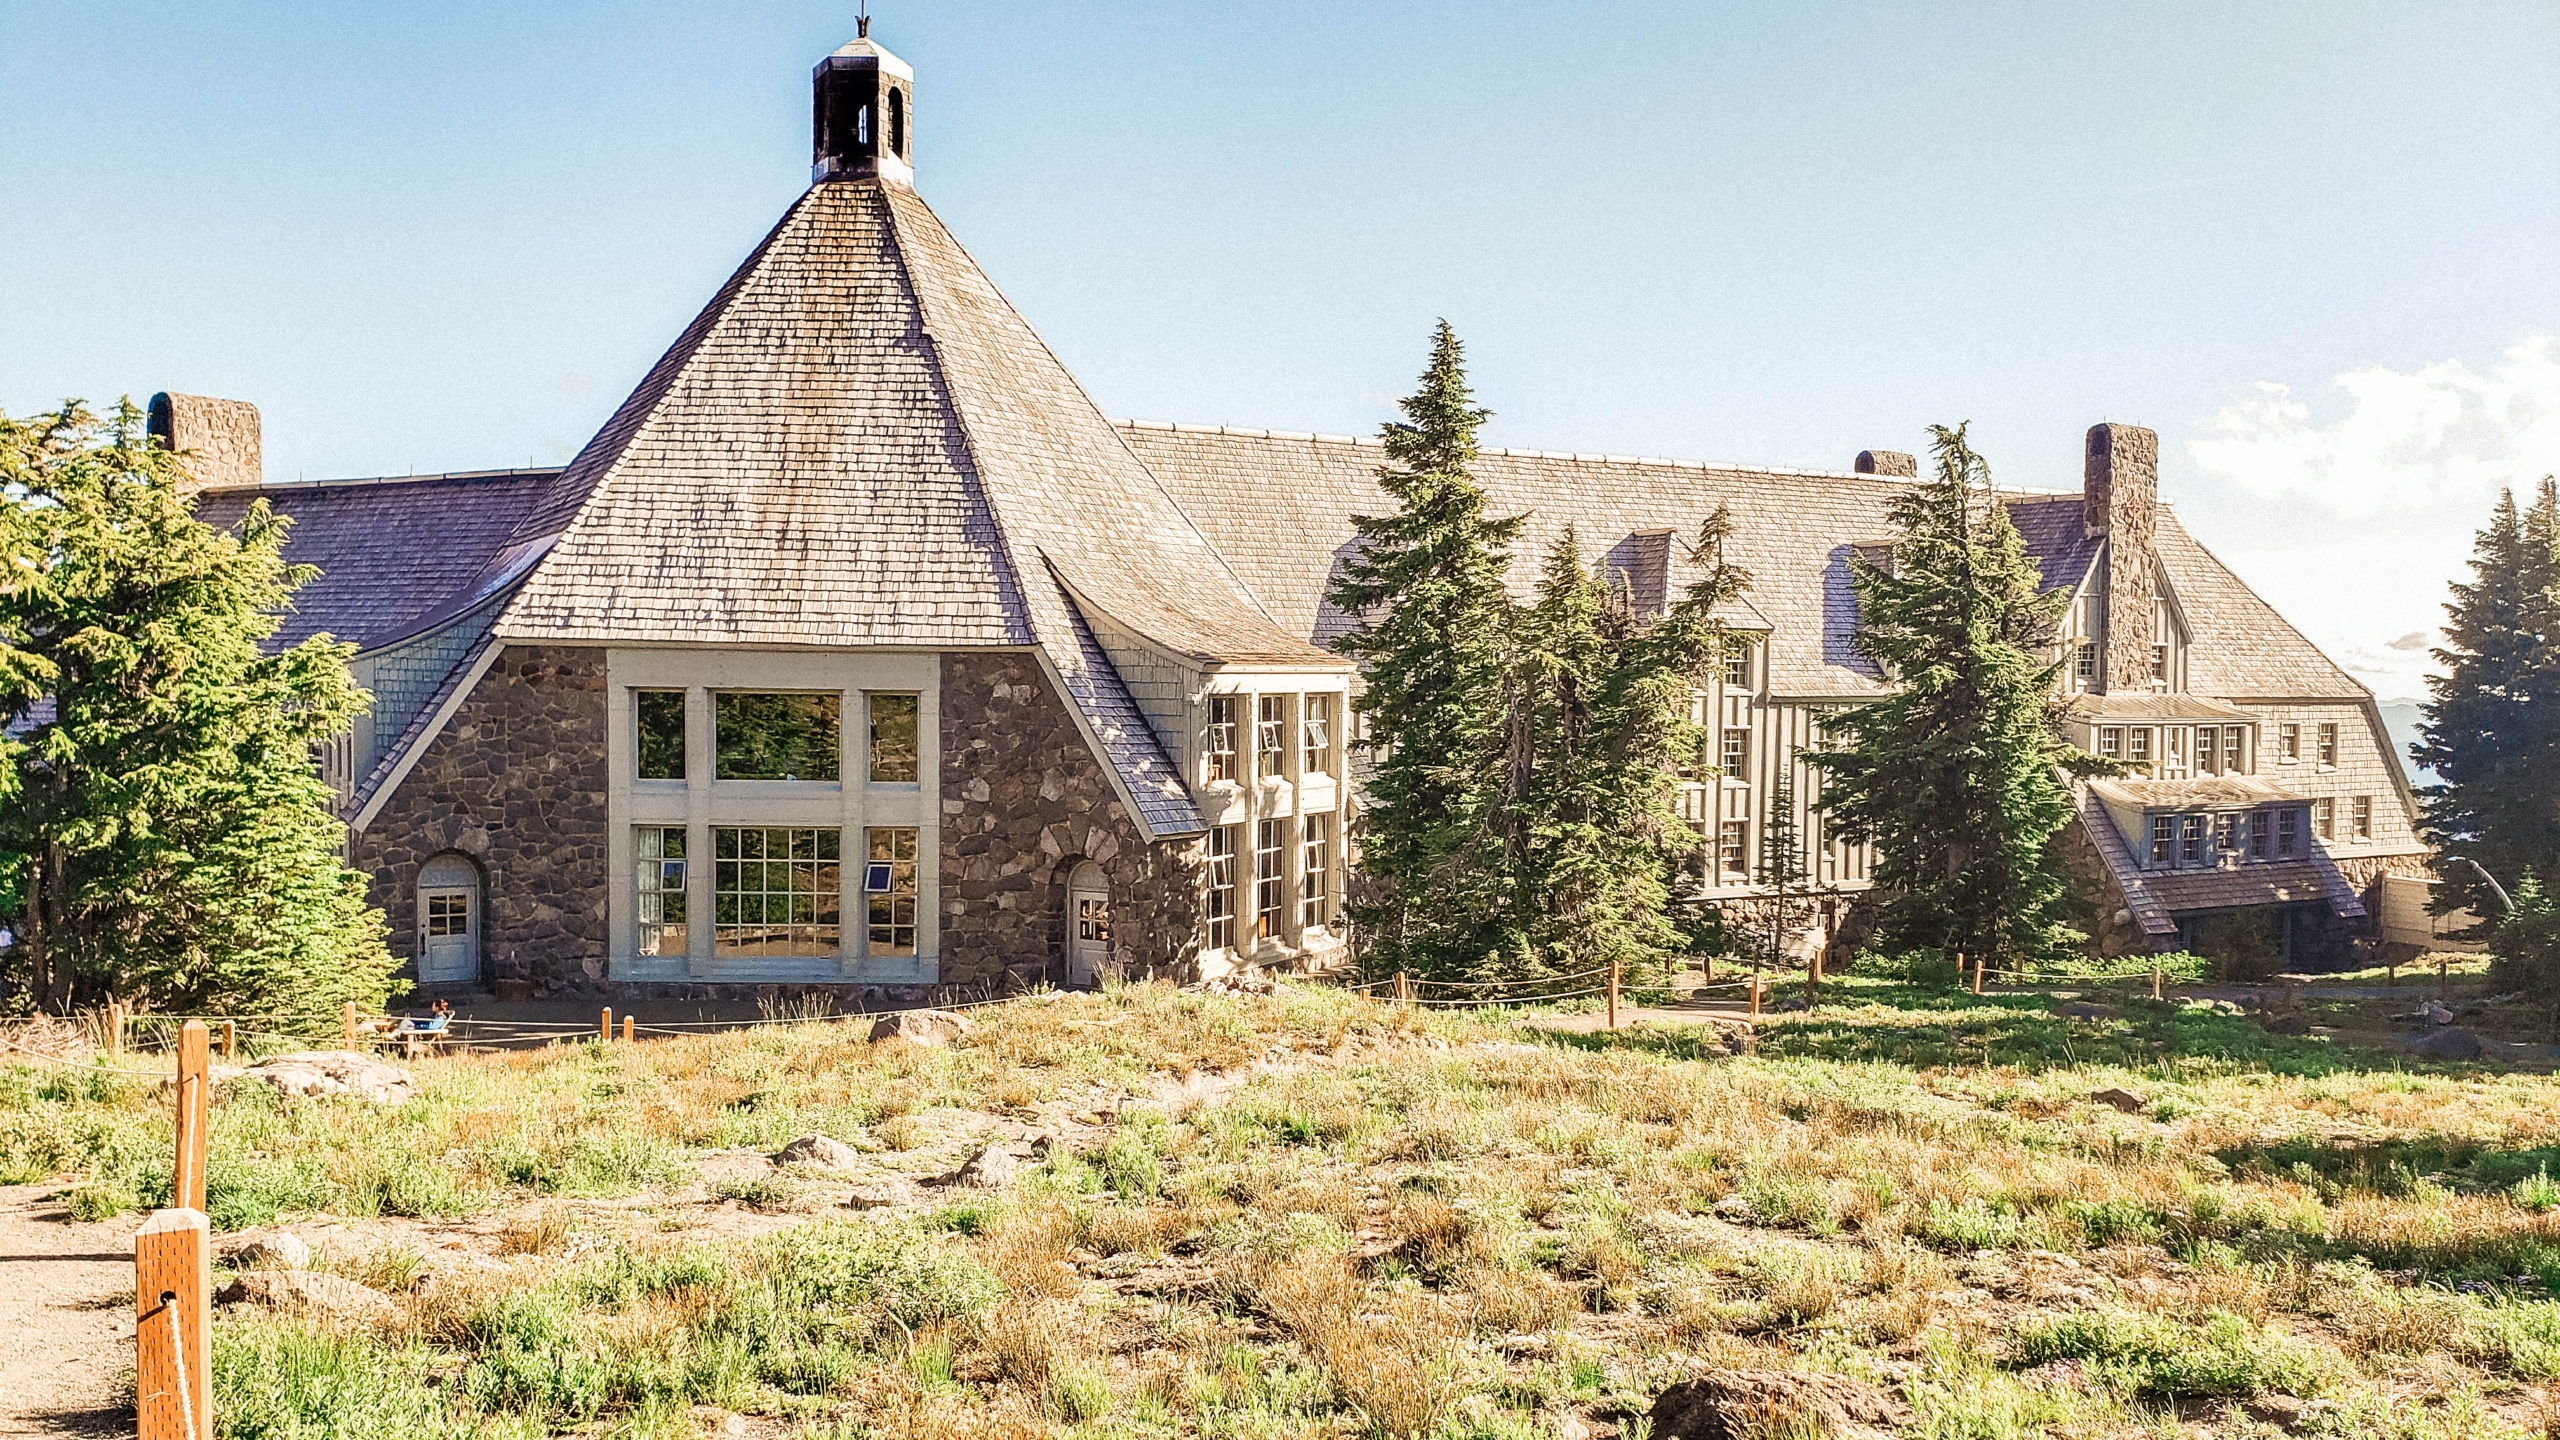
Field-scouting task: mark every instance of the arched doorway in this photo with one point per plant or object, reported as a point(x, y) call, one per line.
point(448, 921)
point(1088, 925)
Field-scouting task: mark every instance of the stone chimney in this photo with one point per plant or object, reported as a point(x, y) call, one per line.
point(2119, 498)
point(216, 440)
point(1887, 462)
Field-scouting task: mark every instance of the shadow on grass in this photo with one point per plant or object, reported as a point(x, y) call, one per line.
point(1892, 1021)
point(2401, 1168)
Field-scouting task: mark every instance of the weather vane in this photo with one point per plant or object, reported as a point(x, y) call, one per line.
point(862, 22)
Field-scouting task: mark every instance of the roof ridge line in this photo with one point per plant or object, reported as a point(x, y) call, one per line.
point(1520, 453)
point(265, 485)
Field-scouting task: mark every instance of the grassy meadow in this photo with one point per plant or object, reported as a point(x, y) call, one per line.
point(1309, 1214)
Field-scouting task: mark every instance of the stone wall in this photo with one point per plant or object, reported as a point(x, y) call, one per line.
point(516, 781)
point(2096, 902)
point(1024, 800)
point(2120, 494)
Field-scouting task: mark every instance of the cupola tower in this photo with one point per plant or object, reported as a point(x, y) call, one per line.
point(863, 115)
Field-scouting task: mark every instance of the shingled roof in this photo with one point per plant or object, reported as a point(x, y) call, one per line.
point(396, 556)
point(1279, 504)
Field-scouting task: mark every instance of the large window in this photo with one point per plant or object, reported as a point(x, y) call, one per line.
point(2173, 752)
point(2364, 817)
point(1315, 737)
point(776, 891)
point(2288, 832)
point(2324, 818)
point(1221, 739)
point(2235, 739)
point(2084, 660)
point(762, 736)
point(1315, 873)
point(1733, 848)
point(2138, 745)
point(1270, 737)
point(1270, 878)
point(2328, 747)
point(889, 889)
point(1221, 912)
point(2164, 838)
point(1737, 664)
point(2260, 824)
point(2110, 742)
point(1736, 755)
point(2288, 742)
point(659, 716)
point(894, 754)
point(659, 887)
point(2190, 839)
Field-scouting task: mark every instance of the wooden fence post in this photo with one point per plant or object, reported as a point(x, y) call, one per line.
point(2155, 983)
point(604, 1025)
point(115, 1027)
point(626, 1030)
point(173, 1326)
point(349, 1016)
point(1755, 992)
point(1813, 976)
point(230, 1038)
point(1404, 988)
point(195, 1114)
point(1613, 994)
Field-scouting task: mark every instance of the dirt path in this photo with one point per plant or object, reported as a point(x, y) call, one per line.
point(66, 1318)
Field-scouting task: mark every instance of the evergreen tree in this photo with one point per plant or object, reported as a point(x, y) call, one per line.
point(1953, 776)
point(1428, 583)
point(2524, 951)
point(1782, 869)
point(2491, 732)
point(175, 843)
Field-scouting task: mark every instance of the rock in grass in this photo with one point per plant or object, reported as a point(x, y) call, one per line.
point(331, 1297)
point(2452, 1043)
point(920, 1027)
point(2084, 1010)
point(1744, 1404)
point(818, 1150)
point(989, 1169)
point(878, 1195)
point(334, 1072)
point(2124, 1100)
point(2286, 1025)
point(271, 1252)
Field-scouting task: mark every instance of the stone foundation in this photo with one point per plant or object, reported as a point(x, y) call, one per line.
point(516, 783)
point(2095, 900)
point(1024, 801)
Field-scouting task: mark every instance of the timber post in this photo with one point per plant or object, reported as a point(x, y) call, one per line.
point(348, 1016)
point(115, 1027)
point(1404, 988)
point(604, 1026)
point(1613, 994)
point(195, 1115)
point(173, 1326)
point(1755, 992)
point(626, 1030)
point(230, 1038)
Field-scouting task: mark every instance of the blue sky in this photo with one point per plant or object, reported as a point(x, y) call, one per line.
point(2311, 244)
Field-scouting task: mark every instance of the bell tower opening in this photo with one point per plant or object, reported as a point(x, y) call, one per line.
point(860, 111)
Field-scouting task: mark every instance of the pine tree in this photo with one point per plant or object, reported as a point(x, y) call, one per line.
point(1782, 869)
point(176, 845)
point(1428, 582)
point(1953, 776)
point(2491, 732)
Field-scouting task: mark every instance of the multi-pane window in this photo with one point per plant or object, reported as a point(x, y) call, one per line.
point(889, 889)
point(787, 736)
point(1733, 848)
point(1221, 910)
point(1270, 736)
point(2173, 752)
point(2164, 838)
point(1221, 739)
point(2259, 823)
point(776, 890)
point(895, 756)
point(1736, 755)
point(2288, 832)
point(658, 715)
point(2207, 748)
point(2190, 839)
point(1315, 873)
point(659, 888)
point(2110, 742)
point(2328, 747)
point(2289, 742)
point(2138, 745)
point(2159, 662)
point(2084, 660)
point(1737, 664)
point(2364, 817)
point(2235, 739)
point(1270, 878)
point(1693, 806)
point(448, 914)
point(1315, 737)
point(2324, 818)
point(2226, 834)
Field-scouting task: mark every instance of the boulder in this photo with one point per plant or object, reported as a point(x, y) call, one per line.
point(2286, 1025)
point(2084, 1010)
point(990, 1169)
point(2124, 1100)
point(2452, 1043)
point(1745, 1404)
point(331, 1297)
point(818, 1150)
point(334, 1072)
point(270, 1252)
point(920, 1027)
point(880, 1195)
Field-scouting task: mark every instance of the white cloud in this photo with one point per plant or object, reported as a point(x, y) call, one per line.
point(2406, 440)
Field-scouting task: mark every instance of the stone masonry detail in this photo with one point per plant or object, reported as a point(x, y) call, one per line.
point(2121, 495)
point(1023, 802)
point(516, 781)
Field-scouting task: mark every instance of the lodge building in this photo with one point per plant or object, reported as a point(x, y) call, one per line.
point(860, 648)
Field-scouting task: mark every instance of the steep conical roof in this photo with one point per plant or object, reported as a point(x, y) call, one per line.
point(859, 442)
